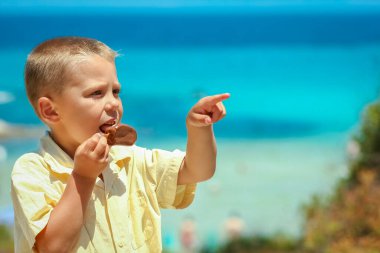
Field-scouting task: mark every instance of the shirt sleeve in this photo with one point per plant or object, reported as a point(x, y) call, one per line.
point(33, 196)
point(166, 165)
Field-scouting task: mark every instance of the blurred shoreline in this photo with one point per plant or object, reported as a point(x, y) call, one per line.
point(13, 131)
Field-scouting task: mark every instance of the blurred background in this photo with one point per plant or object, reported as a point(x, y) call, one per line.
point(299, 72)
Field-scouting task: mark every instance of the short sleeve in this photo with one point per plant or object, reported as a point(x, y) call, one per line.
point(166, 165)
point(33, 196)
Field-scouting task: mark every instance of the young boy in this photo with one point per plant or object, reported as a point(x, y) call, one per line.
point(77, 193)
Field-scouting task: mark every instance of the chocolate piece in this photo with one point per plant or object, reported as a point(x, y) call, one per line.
point(121, 135)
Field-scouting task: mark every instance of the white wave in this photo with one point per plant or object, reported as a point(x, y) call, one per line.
point(6, 97)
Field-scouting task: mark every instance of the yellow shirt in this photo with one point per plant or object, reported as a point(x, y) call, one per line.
point(123, 213)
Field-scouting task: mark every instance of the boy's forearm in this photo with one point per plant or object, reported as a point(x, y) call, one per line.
point(200, 160)
point(66, 220)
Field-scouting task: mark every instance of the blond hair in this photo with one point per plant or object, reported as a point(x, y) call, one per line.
point(48, 66)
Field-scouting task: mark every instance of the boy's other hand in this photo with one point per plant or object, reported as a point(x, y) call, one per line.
point(207, 111)
point(91, 157)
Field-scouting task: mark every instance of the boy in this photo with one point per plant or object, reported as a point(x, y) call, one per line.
point(78, 194)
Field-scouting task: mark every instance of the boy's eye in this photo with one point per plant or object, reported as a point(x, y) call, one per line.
point(116, 91)
point(96, 93)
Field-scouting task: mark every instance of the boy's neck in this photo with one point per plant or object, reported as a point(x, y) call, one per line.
point(57, 140)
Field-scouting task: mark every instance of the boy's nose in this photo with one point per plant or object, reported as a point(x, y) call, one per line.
point(112, 104)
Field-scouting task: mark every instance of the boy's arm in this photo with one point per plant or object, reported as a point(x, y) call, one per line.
point(200, 160)
point(66, 220)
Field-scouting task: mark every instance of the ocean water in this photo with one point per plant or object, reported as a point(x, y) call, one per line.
point(298, 85)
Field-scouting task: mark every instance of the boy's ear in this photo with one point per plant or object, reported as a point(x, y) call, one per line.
point(46, 110)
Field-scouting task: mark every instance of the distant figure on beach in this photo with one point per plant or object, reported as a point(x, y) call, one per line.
point(188, 236)
point(84, 191)
point(234, 226)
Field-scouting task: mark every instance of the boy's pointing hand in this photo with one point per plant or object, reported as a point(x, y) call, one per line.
point(207, 111)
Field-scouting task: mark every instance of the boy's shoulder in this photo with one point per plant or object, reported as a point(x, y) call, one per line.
point(28, 163)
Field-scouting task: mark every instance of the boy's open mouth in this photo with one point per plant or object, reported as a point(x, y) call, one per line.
point(103, 128)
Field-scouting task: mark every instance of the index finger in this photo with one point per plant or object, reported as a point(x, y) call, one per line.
point(217, 98)
point(101, 147)
point(90, 144)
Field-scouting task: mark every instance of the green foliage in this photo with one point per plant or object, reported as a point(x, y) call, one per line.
point(6, 239)
point(261, 244)
point(368, 137)
point(349, 221)
point(368, 141)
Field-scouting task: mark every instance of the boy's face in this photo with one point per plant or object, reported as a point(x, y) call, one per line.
point(89, 103)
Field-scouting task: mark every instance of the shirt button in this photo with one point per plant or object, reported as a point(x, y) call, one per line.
point(121, 244)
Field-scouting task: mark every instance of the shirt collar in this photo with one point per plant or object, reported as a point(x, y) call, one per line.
point(61, 162)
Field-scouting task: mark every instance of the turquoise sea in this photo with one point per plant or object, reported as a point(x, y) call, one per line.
point(298, 85)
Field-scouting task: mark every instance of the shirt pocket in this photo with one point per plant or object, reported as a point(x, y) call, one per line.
point(141, 219)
